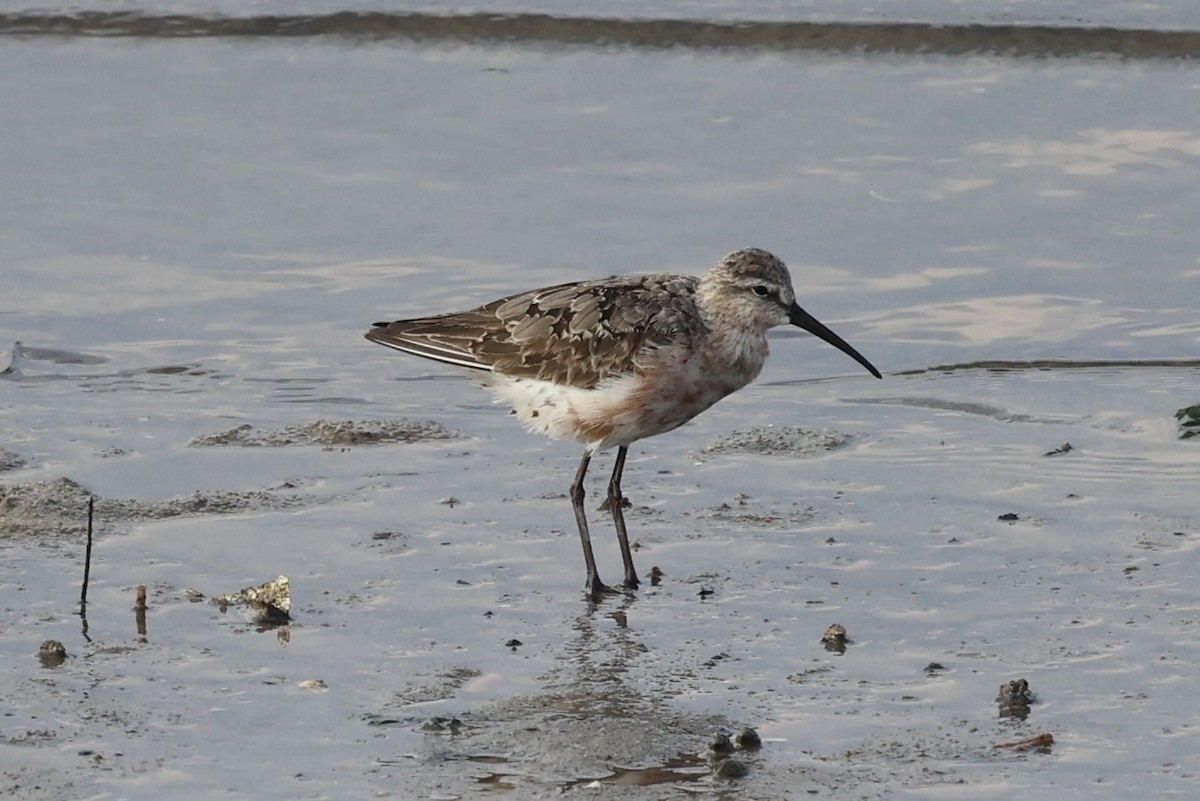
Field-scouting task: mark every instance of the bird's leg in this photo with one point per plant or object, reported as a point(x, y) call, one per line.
point(595, 588)
point(615, 499)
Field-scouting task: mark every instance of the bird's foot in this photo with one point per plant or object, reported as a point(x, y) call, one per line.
point(631, 582)
point(597, 590)
point(607, 505)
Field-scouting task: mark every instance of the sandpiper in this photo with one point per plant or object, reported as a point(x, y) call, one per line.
point(611, 361)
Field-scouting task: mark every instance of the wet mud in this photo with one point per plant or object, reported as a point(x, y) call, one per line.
point(329, 434)
point(849, 567)
point(779, 441)
point(59, 506)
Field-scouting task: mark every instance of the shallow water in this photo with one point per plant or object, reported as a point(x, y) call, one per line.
point(201, 229)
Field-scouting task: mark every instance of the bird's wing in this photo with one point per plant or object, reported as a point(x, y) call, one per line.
point(577, 334)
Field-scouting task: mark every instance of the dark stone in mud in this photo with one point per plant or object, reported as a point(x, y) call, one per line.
point(440, 724)
point(10, 461)
point(52, 653)
point(1014, 699)
point(835, 638)
point(731, 769)
point(747, 739)
point(720, 744)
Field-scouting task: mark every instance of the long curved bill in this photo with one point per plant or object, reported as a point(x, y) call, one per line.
point(802, 319)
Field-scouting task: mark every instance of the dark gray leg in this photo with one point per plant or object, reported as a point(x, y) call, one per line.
point(595, 588)
point(615, 499)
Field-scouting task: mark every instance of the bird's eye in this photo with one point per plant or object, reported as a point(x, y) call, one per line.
point(762, 291)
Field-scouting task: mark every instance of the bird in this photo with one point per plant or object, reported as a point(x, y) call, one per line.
point(610, 361)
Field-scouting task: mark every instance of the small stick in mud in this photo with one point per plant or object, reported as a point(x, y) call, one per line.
point(139, 610)
point(87, 557)
point(87, 568)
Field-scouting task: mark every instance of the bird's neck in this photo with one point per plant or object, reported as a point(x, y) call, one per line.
point(737, 350)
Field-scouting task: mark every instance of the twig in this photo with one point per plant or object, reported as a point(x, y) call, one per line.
point(87, 569)
point(87, 557)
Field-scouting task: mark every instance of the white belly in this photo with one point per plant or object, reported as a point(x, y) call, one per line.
point(673, 389)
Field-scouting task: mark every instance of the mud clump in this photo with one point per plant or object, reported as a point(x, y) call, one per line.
point(59, 506)
point(10, 461)
point(779, 441)
point(329, 433)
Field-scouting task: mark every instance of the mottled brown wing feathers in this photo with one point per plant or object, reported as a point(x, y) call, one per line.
point(576, 334)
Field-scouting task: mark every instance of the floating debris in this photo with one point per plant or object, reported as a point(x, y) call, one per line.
point(329, 433)
point(272, 600)
point(1009, 517)
point(513, 644)
point(316, 685)
point(1061, 449)
point(1039, 742)
point(52, 653)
